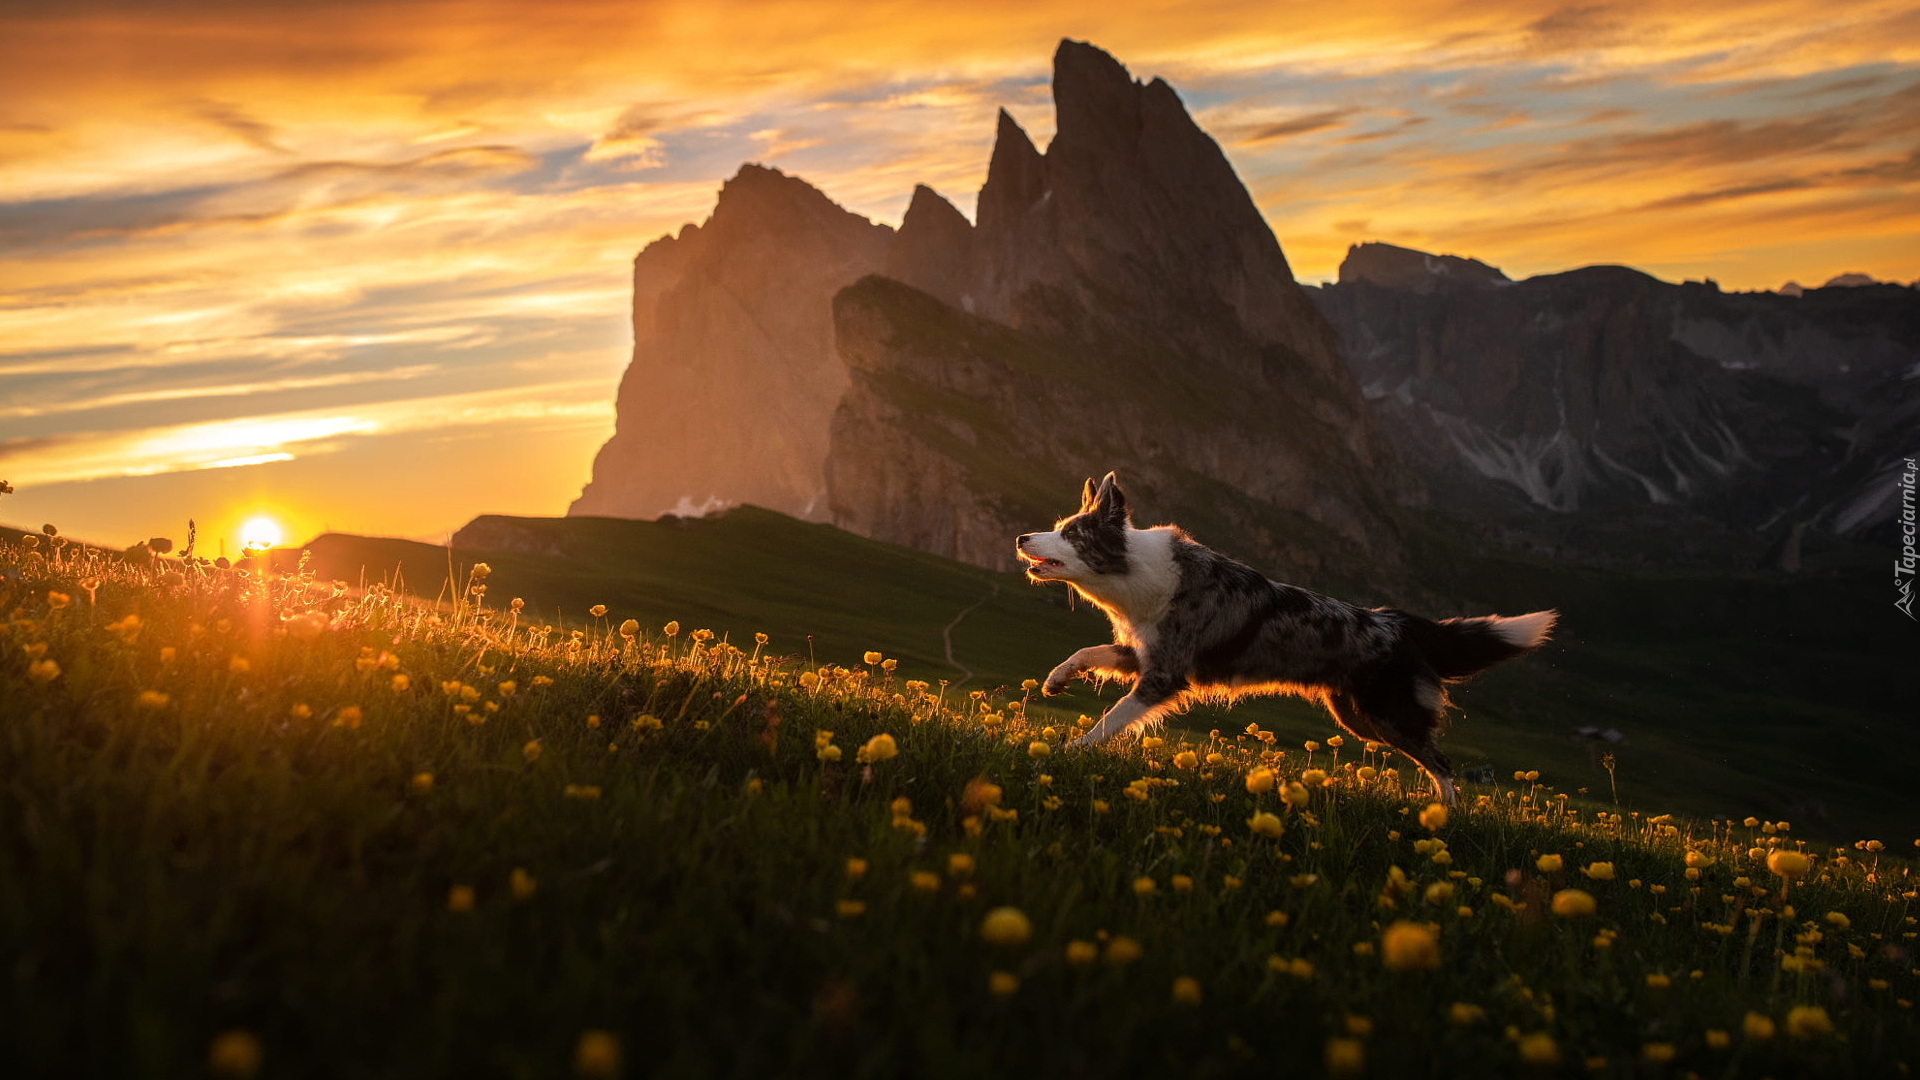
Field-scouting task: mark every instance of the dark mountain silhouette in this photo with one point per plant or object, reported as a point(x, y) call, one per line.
point(1120, 304)
point(1604, 389)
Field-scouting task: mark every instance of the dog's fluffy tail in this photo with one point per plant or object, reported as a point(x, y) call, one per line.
point(1457, 648)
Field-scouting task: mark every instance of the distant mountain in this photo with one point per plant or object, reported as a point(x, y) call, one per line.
point(1118, 303)
point(1604, 388)
point(734, 373)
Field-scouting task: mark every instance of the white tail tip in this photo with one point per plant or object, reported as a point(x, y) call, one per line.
point(1526, 631)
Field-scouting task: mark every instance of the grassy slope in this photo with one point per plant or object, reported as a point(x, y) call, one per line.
point(1723, 716)
point(216, 860)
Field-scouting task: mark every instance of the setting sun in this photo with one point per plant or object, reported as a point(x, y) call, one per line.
point(260, 532)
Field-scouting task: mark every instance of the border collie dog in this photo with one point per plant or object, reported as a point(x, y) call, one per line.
point(1190, 623)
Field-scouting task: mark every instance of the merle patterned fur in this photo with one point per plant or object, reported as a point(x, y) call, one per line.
point(1190, 623)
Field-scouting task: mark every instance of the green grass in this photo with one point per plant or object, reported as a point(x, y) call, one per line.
point(1724, 713)
point(235, 861)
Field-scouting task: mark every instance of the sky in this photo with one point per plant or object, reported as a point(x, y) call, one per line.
point(365, 266)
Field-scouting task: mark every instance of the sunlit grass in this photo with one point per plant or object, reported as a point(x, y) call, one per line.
point(260, 823)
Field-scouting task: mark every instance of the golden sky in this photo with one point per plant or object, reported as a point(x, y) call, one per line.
point(364, 265)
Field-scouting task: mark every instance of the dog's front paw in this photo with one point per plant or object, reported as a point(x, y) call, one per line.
point(1054, 687)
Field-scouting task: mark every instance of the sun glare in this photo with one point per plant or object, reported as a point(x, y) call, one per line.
point(260, 533)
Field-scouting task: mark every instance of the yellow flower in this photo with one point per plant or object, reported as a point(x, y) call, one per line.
point(1572, 904)
point(1038, 749)
point(1081, 953)
point(1336, 742)
point(850, 909)
point(1788, 865)
point(153, 699)
point(1345, 1057)
point(1123, 950)
point(347, 717)
point(1186, 759)
point(1265, 824)
point(1434, 817)
point(925, 881)
point(828, 753)
point(401, 684)
point(1181, 883)
point(1461, 1014)
point(522, 884)
point(1314, 778)
point(1697, 861)
point(1440, 892)
point(1657, 1053)
point(422, 782)
point(1808, 1022)
point(167, 654)
point(1003, 983)
point(856, 868)
point(531, 751)
point(236, 1053)
point(1145, 886)
point(582, 792)
point(597, 1055)
point(959, 864)
point(1600, 871)
point(872, 658)
point(670, 629)
point(238, 665)
point(1838, 920)
point(1311, 746)
point(1186, 990)
point(508, 688)
point(58, 600)
point(1757, 1026)
point(1717, 1039)
point(808, 680)
point(1539, 1050)
point(1658, 982)
point(460, 899)
point(597, 611)
point(879, 748)
point(1006, 926)
point(1260, 781)
point(1409, 946)
point(43, 671)
point(1295, 795)
point(1276, 918)
point(300, 712)
point(1548, 864)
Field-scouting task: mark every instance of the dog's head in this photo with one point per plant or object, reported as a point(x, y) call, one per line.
point(1091, 543)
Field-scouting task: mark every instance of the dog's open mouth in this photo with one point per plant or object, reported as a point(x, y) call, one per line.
point(1035, 562)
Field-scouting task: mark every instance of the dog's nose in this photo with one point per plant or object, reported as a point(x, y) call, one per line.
point(1024, 537)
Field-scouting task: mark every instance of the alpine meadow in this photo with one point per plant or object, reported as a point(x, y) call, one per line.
point(540, 540)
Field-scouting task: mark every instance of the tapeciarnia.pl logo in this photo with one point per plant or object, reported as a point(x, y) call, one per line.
point(1903, 567)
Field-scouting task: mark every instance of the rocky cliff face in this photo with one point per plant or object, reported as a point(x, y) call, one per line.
point(734, 374)
point(1120, 304)
point(1604, 389)
point(1124, 306)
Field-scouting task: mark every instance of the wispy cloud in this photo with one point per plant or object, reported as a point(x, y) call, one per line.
point(227, 215)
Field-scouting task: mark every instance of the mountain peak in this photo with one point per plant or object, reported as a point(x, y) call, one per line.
point(1405, 268)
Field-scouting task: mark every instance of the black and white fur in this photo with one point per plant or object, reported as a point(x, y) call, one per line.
point(1191, 623)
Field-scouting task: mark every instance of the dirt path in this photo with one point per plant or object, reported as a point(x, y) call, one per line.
point(946, 635)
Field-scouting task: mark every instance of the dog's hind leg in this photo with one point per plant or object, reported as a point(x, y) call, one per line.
point(1403, 722)
point(1107, 661)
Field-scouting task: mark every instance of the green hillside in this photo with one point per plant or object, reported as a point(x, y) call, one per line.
point(1734, 696)
point(254, 826)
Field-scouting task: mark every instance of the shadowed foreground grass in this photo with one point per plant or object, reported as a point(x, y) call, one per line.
point(253, 824)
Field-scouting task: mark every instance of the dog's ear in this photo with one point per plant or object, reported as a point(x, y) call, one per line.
point(1086, 496)
point(1109, 501)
